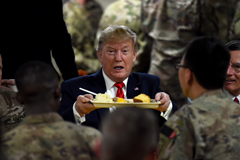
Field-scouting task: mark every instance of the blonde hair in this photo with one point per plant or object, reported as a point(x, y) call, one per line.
point(117, 33)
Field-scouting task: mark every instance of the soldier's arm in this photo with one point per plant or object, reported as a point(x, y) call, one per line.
point(235, 26)
point(91, 136)
point(177, 138)
point(77, 20)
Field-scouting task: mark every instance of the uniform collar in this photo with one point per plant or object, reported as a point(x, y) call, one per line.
point(42, 118)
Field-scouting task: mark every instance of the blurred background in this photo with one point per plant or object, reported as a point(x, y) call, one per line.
point(104, 3)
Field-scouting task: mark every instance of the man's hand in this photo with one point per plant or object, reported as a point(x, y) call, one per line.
point(164, 99)
point(83, 105)
point(7, 82)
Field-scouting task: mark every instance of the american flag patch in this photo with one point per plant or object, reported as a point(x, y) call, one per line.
point(136, 88)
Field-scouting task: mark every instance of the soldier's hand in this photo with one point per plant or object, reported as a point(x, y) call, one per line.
point(164, 99)
point(8, 83)
point(83, 105)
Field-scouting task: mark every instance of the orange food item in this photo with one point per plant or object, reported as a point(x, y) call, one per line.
point(142, 98)
point(121, 100)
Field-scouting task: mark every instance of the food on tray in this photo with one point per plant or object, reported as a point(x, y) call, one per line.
point(142, 98)
point(115, 99)
point(121, 100)
point(103, 97)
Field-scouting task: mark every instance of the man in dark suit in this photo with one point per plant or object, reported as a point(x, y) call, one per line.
point(117, 49)
point(33, 30)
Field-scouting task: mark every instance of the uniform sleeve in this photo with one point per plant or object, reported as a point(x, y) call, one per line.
point(235, 27)
point(91, 135)
point(61, 44)
point(11, 111)
point(177, 138)
point(82, 33)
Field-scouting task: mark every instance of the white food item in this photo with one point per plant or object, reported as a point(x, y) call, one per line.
point(103, 97)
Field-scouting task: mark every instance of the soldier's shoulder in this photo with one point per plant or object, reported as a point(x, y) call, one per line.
point(11, 111)
point(7, 91)
point(182, 116)
point(90, 135)
point(89, 131)
point(83, 130)
point(9, 104)
point(10, 137)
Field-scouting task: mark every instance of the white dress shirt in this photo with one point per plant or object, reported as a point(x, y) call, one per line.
point(230, 96)
point(112, 90)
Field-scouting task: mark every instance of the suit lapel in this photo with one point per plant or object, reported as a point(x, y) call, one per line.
point(99, 86)
point(98, 82)
point(133, 87)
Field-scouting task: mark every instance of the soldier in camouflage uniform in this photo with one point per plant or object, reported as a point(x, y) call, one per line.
point(11, 111)
point(209, 127)
point(172, 24)
point(82, 23)
point(43, 134)
point(128, 13)
point(235, 27)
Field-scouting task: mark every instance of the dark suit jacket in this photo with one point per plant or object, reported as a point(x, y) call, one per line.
point(30, 32)
point(148, 84)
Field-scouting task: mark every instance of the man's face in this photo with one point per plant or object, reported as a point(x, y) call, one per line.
point(117, 59)
point(232, 83)
point(1, 66)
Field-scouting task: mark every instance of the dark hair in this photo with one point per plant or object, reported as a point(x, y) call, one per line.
point(233, 45)
point(37, 80)
point(209, 59)
point(129, 133)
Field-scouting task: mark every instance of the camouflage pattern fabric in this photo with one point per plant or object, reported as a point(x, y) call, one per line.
point(208, 128)
point(128, 13)
point(172, 24)
point(82, 23)
point(64, 1)
point(11, 111)
point(148, 14)
point(235, 27)
point(47, 136)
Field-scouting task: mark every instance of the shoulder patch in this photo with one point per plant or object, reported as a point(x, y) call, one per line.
point(167, 131)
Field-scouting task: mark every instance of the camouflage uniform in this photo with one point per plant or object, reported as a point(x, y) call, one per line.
point(172, 24)
point(82, 23)
point(47, 136)
point(209, 128)
point(128, 13)
point(235, 27)
point(11, 111)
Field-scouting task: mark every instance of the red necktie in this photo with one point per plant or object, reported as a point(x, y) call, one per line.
point(119, 85)
point(236, 100)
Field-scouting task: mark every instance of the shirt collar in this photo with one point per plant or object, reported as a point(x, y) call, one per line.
point(229, 95)
point(109, 83)
point(42, 118)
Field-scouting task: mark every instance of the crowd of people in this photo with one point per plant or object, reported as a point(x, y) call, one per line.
point(184, 55)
